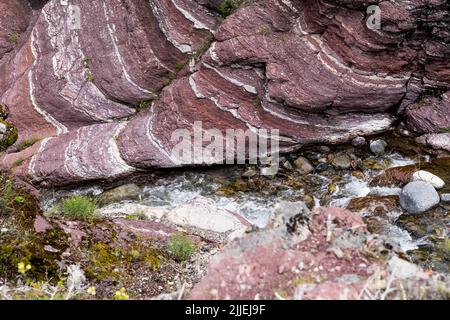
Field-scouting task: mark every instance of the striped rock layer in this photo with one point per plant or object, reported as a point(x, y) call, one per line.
point(311, 69)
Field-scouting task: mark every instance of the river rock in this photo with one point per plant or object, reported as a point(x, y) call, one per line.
point(342, 162)
point(378, 147)
point(359, 142)
point(125, 192)
point(418, 197)
point(426, 176)
point(303, 165)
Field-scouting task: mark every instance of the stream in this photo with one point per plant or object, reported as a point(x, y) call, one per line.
point(241, 190)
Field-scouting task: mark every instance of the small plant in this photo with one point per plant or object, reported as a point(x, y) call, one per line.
point(180, 65)
point(14, 38)
point(142, 105)
point(79, 208)
point(228, 7)
point(20, 200)
point(18, 162)
point(181, 247)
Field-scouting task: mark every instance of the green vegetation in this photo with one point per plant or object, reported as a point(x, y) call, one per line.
point(79, 208)
point(181, 247)
point(445, 130)
point(143, 105)
point(228, 7)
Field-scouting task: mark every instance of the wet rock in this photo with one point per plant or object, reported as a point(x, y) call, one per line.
point(397, 176)
point(342, 162)
point(359, 142)
point(322, 167)
point(125, 192)
point(428, 177)
point(445, 197)
point(375, 205)
point(303, 165)
point(378, 147)
point(418, 197)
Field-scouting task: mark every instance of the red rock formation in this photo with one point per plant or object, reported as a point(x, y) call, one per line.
point(312, 69)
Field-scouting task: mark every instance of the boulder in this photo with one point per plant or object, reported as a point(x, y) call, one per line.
point(418, 197)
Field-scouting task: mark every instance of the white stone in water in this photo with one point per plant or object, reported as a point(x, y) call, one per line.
point(201, 213)
point(426, 176)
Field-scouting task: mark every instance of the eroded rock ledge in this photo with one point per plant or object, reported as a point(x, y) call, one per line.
point(309, 68)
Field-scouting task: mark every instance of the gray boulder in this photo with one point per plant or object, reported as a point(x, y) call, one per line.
point(418, 197)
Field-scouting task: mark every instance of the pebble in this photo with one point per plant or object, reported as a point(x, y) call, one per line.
point(342, 162)
point(303, 165)
point(426, 176)
point(322, 167)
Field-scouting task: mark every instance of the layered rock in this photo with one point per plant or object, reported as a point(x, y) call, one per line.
point(311, 69)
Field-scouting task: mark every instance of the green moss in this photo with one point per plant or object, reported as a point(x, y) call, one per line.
point(11, 136)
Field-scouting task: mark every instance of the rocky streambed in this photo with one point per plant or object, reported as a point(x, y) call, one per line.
point(220, 208)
